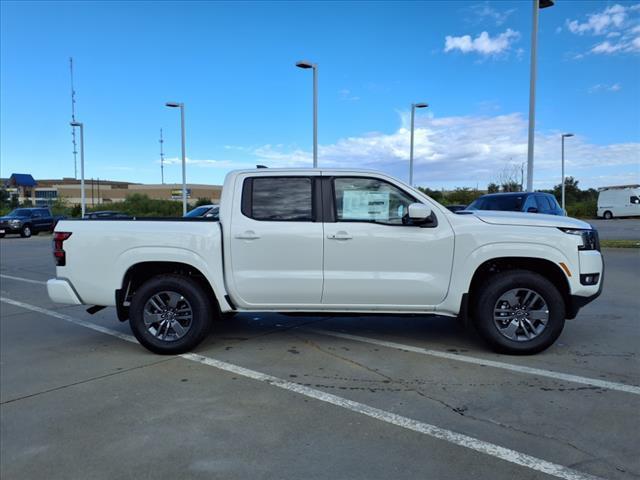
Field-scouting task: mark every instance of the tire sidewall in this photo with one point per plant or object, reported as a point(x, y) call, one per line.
point(193, 293)
point(497, 286)
point(26, 231)
point(608, 215)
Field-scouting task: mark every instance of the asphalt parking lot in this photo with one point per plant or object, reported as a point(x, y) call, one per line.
point(272, 396)
point(618, 228)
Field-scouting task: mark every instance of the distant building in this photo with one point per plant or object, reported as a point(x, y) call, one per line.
point(98, 192)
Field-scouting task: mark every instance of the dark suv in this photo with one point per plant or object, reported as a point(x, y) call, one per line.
point(518, 202)
point(27, 222)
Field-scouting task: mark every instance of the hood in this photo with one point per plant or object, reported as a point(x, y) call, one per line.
point(528, 219)
point(7, 218)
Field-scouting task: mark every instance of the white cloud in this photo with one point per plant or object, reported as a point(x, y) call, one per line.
point(619, 24)
point(462, 151)
point(345, 94)
point(603, 87)
point(600, 23)
point(483, 44)
point(484, 12)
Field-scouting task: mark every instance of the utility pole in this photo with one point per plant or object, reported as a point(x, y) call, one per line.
point(73, 119)
point(161, 158)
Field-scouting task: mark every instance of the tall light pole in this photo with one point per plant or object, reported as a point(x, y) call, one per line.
point(83, 199)
point(184, 154)
point(413, 114)
point(564, 135)
point(537, 4)
point(305, 64)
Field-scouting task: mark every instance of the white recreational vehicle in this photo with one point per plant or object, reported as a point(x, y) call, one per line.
point(621, 201)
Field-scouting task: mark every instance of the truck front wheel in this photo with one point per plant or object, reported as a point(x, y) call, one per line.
point(170, 314)
point(519, 312)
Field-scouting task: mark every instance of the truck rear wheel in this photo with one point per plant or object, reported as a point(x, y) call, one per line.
point(519, 312)
point(170, 314)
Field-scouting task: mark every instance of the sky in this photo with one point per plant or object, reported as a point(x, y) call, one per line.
point(233, 66)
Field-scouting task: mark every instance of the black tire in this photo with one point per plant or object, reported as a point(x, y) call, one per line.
point(2, 235)
point(189, 290)
point(497, 286)
point(607, 215)
point(26, 231)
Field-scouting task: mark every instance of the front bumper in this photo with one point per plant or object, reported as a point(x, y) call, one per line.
point(61, 291)
point(10, 229)
point(576, 302)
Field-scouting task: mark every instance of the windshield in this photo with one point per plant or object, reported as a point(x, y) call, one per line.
point(20, 212)
point(507, 203)
point(198, 212)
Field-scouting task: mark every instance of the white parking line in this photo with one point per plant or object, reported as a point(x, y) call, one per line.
point(20, 279)
point(452, 437)
point(622, 387)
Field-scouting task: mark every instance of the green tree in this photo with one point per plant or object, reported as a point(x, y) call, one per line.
point(493, 188)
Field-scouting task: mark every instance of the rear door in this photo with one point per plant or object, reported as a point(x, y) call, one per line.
point(276, 241)
point(374, 257)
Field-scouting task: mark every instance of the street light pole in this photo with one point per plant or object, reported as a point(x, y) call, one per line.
point(305, 64)
point(413, 114)
point(564, 135)
point(537, 4)
point(83, 200)
point(184, 154)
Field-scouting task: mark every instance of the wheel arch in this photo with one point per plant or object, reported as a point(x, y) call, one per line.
point(140, 272)
point(541, 266)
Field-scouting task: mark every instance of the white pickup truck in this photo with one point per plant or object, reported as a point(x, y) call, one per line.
point(331, 241)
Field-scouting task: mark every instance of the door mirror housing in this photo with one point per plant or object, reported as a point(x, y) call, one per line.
point(419, 211)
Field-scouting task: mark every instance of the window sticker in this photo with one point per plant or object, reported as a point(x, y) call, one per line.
point(365, 205)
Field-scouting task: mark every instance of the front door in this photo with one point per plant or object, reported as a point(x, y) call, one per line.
point(276, 242)
point(374, 257)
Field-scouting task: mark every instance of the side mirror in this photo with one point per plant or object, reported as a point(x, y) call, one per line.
point(532, 210)
point(419, 211)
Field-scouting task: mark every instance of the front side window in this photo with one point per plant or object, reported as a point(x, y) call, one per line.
point(503, 202)
point(370, 200)
point(284, 199)
point(543, 203)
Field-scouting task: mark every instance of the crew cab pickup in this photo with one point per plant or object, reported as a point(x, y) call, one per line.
point(319, 240)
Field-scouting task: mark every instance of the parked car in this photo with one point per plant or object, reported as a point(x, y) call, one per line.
point(112, 214)
point(456, 208)
point(309, 240)
point(518, 202)
point(27, 222)
point(619, 202)
point(205, 211)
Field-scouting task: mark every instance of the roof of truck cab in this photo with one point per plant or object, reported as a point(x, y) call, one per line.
point(308, 170)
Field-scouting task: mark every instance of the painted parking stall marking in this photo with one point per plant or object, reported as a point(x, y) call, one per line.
point(622, 387)
point(487, 448)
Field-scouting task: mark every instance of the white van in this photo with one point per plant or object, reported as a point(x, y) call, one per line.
point(623, 201)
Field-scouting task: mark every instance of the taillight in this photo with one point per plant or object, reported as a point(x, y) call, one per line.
point(58, 252)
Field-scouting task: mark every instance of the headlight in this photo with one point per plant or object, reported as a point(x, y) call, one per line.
point(590, 240)
point(15, 222)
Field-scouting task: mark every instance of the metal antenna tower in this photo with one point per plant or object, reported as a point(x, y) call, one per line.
point(161, 158)
point(73, 119)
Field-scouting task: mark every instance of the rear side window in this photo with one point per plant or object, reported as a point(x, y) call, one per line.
point(278, 199)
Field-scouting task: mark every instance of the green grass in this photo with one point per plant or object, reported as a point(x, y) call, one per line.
point(620, 243)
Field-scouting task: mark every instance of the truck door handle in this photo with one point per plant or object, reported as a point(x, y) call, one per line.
point(248, 235)
point(340, 236)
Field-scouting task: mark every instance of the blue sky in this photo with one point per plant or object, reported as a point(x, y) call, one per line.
point(232, 64)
